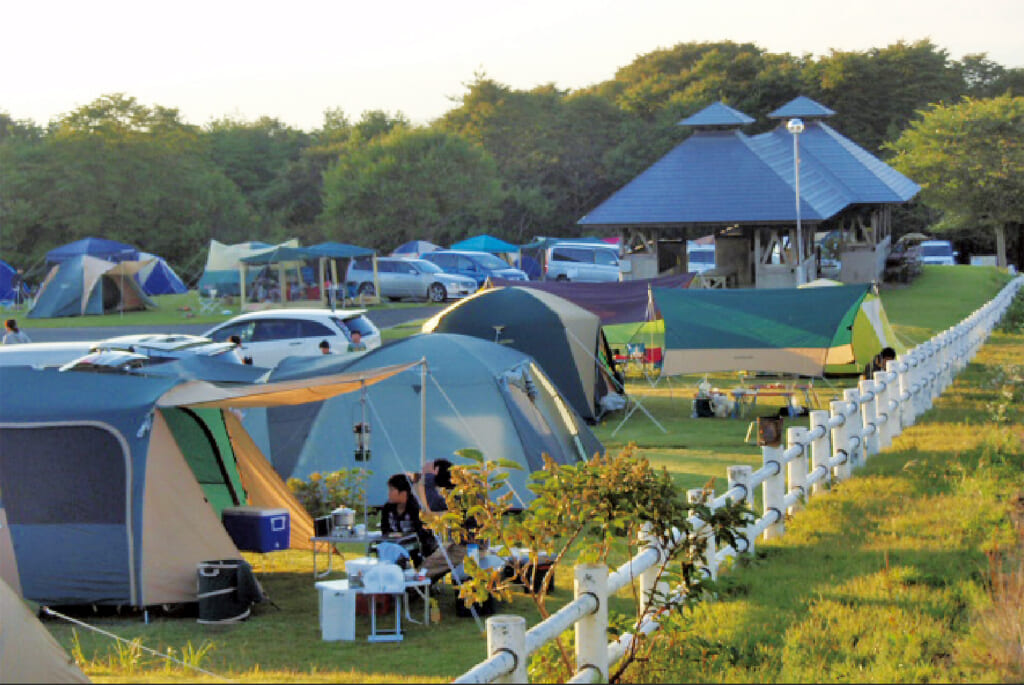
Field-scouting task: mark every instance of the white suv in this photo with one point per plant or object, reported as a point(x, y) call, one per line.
point(270, 335)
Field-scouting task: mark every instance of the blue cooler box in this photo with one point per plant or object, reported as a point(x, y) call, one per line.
point(255, 529)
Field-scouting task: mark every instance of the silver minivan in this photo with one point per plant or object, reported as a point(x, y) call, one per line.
point(583, 262)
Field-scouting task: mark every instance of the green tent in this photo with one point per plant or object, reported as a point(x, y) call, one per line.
point(800, 331)
point(870, 333)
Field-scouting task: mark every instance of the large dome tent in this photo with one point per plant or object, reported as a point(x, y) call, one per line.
point(478, 395)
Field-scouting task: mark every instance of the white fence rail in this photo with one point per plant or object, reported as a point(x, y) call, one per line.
point(835, 443)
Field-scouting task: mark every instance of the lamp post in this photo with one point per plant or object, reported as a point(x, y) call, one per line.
point(796, 127)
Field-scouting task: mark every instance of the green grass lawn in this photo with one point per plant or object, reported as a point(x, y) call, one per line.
point(171, 310)
point(879, 580)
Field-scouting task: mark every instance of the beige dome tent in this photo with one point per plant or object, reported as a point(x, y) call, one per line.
point(28, 653)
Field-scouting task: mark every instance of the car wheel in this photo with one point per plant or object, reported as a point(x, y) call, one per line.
point(437, 293)
point(562, 277)
point(393, 299)
point(367, 289)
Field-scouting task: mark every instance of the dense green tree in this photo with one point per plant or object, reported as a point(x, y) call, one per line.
point(877, 92)
point(410, 184)
point(555, 152)
point(969, 159)
point(984, 78)
point(119, 170)
point(668, 84)
point(259, 157)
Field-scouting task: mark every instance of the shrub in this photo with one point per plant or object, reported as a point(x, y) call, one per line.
point(322, 493)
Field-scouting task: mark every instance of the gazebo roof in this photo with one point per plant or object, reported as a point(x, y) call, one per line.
point(802, 107)
point(721, 176)
point(717, 114)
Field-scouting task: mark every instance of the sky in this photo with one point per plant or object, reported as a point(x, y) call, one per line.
point(295, 59)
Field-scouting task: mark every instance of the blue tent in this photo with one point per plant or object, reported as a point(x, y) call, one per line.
point(414, 248)
point(110, 250)
point(7, 273)
point(86, 285)
point(486, 243)
point(158, 278)
point(112, 484)
point(479, 394)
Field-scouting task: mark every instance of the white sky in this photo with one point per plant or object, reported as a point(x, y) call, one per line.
point(293, 59)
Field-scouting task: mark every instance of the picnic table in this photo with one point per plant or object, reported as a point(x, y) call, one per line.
point(746, 396)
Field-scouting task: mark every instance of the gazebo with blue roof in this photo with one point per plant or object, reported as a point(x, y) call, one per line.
point(743, 189)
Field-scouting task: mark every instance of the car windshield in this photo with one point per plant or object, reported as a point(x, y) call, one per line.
point(428, 267)
point(937, 250)
point(489, 261)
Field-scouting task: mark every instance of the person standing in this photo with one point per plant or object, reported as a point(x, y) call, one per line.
point(14, 335)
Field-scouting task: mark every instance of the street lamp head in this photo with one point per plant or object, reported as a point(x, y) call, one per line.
point(795, 126)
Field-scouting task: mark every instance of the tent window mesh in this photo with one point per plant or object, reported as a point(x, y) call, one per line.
point(57, 474)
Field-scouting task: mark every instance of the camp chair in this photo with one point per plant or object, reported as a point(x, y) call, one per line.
point(208, 304)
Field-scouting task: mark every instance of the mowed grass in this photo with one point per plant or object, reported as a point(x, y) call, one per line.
point(170, 310)
point(878, 580)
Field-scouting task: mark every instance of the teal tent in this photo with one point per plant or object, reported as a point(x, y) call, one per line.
point(783, 330)
point(87, 285)
point(563, 337)
point(478, 394)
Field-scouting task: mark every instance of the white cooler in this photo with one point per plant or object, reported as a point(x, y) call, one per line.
point(337, 610)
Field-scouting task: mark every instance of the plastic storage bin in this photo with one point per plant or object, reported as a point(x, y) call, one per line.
point(337, 610)
point(255, 529)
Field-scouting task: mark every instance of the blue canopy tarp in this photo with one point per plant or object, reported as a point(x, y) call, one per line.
point(486, 243)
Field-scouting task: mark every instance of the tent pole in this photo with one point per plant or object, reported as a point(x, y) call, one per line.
point(365, 439)
point(423, 415)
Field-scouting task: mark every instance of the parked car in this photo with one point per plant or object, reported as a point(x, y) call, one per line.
point(597, 263)
point(163, 347)
point(270, 335)
point(938, 252)
point(700, 258)
point(152, 348)
point(477, 265)
point(415, 278)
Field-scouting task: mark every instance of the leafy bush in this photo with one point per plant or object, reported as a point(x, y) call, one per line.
point(322, 493)
point(1013, 319)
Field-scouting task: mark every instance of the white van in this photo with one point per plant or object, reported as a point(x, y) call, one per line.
point(938, 252)
point(583, 262)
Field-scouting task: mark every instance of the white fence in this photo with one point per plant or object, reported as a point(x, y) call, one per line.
point(835, 443)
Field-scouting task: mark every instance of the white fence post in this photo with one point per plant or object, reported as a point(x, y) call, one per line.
point(592, 630)
point(650, 586)
point(507, 633)
point(741, 476)
point(796, 469)
point(854, 429)
point(821, 449)
point(906, 396)
point(867, 413)
point(882, 411)
point(695, 496)
point(841, 438)
point(934, 371)
point(773, 491)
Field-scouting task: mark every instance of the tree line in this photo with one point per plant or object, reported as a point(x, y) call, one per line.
point(511, 163)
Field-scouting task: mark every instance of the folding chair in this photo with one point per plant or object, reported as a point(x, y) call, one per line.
point(208, 304)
